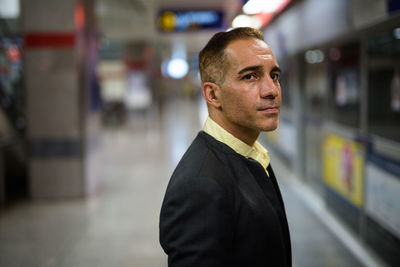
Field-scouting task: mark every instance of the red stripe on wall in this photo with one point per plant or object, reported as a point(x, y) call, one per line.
point(136, 65)
point(40, 40)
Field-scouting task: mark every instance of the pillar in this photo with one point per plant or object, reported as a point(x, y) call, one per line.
point(60, 82)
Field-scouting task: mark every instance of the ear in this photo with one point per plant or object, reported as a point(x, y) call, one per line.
point(211, 93)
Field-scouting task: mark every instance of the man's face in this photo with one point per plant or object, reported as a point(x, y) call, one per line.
point(250, 96)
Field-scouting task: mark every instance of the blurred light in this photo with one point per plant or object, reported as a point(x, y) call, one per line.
point(246, 21)
point(396, 33)
point(79, 17)
point(9, 9)
point(13, 53)
point(314, 56)
point(177, 68)
point(258, 6)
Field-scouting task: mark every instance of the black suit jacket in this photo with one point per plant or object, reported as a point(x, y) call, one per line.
point(221, 209)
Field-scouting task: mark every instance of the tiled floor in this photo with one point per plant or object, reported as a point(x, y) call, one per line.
point(118, 226)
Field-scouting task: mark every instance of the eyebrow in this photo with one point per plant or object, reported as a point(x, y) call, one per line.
point(258, 68)
point(251, 68)
point(276, 69)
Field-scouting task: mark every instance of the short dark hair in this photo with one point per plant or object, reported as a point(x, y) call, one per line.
point(212, 59)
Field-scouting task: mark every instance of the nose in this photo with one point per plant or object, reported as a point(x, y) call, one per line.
point(269, 88)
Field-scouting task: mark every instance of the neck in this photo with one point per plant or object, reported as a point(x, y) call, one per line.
point(246, 135)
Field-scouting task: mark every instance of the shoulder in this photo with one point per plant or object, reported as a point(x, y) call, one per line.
point(206, 158)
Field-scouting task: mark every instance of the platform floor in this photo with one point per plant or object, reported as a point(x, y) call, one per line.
point(118, 226)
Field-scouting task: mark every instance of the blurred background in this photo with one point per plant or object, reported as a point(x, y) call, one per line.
point(99, 99)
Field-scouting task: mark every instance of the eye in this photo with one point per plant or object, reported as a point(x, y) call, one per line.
point(275, 76)
point(249, 76)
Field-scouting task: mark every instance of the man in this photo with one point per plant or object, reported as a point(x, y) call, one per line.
point(222, 206)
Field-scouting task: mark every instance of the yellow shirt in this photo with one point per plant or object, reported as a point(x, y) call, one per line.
point(256, 152)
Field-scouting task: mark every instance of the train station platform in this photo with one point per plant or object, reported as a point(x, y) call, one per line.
point(118, 225)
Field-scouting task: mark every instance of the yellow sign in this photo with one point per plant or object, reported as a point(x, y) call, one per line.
point(167, 21)
point(343, 167)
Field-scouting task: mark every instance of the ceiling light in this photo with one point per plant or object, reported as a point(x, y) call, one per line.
point(246, 21)
point(396, 33)
point(257, 6)
point(177, 68)
point(314, 56)
point(9, 9)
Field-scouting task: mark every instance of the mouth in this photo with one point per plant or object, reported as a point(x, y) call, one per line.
point(269, 110)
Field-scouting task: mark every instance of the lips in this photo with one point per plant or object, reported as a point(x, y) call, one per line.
point(269, 109)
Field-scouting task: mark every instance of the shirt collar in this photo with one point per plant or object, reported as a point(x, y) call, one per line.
point(256, 152)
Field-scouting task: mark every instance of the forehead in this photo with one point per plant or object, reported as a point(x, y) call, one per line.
point(248, 52)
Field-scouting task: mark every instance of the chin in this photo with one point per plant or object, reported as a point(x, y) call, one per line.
point(271, 126)
point(270, 129)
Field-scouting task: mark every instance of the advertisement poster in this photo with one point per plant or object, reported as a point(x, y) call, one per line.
point(343, 165)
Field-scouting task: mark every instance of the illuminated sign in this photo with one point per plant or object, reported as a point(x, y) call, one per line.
point(180, 21)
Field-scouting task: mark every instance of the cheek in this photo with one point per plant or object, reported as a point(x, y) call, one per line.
point(236, 104)
point(238, 101)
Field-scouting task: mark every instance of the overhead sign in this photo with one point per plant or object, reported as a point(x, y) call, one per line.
point(189, 20)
